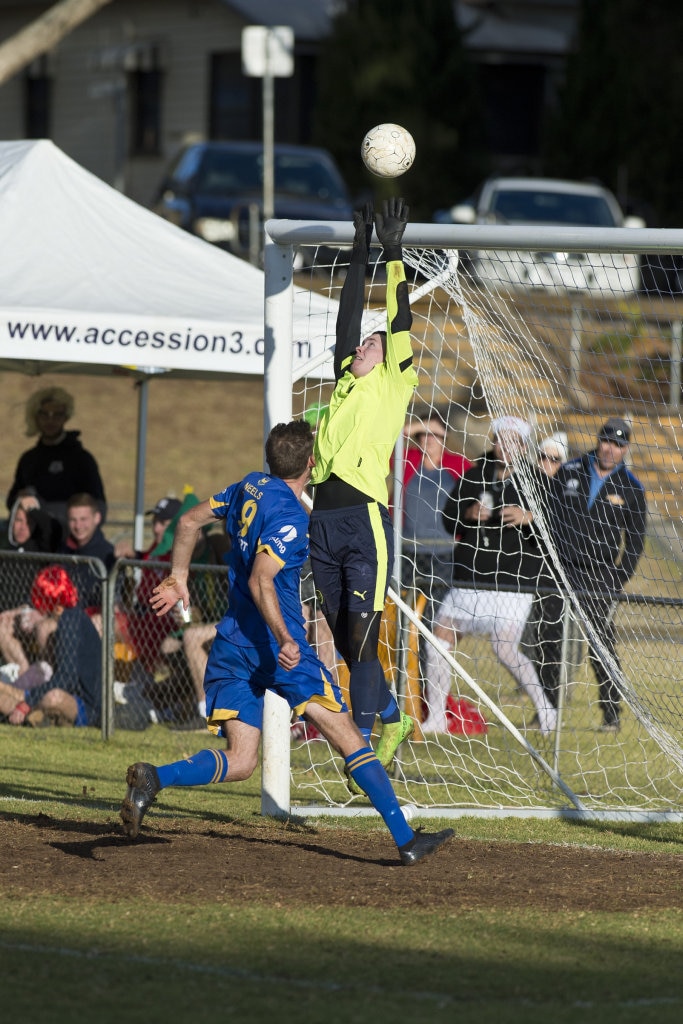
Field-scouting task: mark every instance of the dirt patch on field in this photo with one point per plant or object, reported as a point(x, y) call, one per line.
point(299, 864)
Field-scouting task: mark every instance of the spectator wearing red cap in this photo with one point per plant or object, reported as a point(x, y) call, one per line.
point(73, 696)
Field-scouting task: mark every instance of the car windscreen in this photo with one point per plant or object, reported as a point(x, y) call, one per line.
point(536, 207)
point(235, 173)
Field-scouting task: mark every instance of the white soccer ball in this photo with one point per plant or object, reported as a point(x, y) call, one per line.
point(388, 150)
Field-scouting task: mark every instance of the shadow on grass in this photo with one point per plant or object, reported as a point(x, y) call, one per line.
point(652, 832)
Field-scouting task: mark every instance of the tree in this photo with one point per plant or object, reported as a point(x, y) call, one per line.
point(619, 111)
point(43, 34)
point(403, 63)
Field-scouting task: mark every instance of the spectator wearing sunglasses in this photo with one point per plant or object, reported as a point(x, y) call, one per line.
point(552, 452)
point(58, 465)
point(429, 473)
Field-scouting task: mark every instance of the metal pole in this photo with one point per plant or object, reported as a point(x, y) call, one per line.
point(676, 356)
point(564, 679)
point(139, 523)
point(401, 624)
point(108, 591)
point(277, 408)
point(575, 351)
point(268, 135)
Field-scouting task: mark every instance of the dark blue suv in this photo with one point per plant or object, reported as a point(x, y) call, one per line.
point(215, 190)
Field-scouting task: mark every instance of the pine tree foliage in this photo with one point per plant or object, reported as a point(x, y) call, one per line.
point(619, 111)
point(403, 63)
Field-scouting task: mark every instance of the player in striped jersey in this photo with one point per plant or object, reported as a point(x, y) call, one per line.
point(261, 644)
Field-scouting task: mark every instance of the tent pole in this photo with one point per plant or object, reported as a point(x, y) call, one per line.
point(139, 526)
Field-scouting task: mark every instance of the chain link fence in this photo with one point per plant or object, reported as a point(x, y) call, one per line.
point(121, 665)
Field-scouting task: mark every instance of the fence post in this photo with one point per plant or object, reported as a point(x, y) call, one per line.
point(575, 352)
point(108, 591)
point(564, 678)
point(676, 355)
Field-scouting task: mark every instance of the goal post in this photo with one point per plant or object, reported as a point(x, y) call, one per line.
point(488, 343)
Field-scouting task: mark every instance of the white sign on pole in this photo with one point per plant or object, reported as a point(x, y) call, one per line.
point(268, 49)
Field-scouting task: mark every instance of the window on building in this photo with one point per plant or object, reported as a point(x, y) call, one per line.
point(37, 100)
point(144, 97)
point(234, 99)
point(514, 103)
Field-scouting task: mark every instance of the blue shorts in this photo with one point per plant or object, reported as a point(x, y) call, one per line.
point(237, 678)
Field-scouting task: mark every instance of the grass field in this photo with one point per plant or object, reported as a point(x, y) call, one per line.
point(104, 952)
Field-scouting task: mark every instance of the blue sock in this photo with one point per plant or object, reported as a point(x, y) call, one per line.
point(204, 767)
point(363, 693)
point(366, 770)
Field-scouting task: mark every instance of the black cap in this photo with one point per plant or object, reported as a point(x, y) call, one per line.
point(165, 508)
point(615, 429)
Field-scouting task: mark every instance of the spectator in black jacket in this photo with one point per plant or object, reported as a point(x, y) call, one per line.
point(58, 465)
point(598, 518)
point(496, 548)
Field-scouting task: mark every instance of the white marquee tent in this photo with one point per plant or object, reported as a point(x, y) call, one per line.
point(91, 280)
point(91, 277)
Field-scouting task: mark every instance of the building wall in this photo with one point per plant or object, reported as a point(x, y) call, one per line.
point(520, 46)
point(89, 116)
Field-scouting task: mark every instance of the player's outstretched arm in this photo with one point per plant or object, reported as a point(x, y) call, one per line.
point(350, 314)
point(174, 587)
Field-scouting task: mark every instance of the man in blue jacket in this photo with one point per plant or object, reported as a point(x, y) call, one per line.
point(598, 518)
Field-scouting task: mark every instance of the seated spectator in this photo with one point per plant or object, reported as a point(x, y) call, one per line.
point(58, 465)
point(73, 696)
point(142, 629)
point(30, 526)
point(85, 538)
point(158, 642)
point(30, 529)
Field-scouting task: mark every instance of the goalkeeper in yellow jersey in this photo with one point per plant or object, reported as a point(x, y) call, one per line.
point(351, 534)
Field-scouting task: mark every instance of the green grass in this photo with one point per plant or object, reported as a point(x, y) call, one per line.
point(65, 959)
point(606, 772)
point(197, 963)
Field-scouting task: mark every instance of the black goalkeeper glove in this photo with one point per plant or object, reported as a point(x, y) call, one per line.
point(362, 222)
point(390, 225)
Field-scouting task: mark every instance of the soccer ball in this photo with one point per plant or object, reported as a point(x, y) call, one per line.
point(388, 150)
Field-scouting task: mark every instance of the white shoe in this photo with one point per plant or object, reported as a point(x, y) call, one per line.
point(547, 720)
point(433, 727)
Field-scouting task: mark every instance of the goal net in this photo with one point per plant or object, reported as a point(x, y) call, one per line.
point(547, 327)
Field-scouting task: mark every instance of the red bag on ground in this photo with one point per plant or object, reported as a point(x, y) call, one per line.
point(463, 717)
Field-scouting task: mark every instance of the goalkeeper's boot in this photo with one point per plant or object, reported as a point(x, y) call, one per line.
point(143, 786)
point(422, 844)
point(393, 735)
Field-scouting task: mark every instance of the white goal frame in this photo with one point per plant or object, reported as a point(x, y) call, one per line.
point(282, 237)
